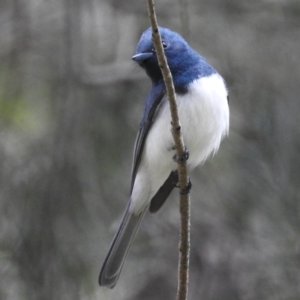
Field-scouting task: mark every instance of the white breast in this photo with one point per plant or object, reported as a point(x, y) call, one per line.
point(204, 116)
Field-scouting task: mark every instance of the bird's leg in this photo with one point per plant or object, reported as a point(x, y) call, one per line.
point(183, 158)
point(187, 189)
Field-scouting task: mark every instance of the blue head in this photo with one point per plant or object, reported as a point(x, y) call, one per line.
point(185, 64)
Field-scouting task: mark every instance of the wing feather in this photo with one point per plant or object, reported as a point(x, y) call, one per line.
point(143, 132)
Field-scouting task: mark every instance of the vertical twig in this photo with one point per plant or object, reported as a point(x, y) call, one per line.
point(184, 241)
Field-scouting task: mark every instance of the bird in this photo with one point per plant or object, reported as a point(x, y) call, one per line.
point(202, 100)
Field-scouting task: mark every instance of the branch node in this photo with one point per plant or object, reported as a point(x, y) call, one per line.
point(175, 129)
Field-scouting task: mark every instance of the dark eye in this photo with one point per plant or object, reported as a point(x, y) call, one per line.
point(164, 45)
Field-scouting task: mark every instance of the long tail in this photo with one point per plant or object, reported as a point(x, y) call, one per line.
point(118, 250)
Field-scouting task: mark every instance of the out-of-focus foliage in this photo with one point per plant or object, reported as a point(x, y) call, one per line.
point(70, 104)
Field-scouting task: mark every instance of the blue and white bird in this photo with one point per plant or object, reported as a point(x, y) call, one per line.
point(203, 110)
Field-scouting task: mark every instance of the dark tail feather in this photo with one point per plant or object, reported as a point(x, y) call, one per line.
point(115, 258)
point(163, 193)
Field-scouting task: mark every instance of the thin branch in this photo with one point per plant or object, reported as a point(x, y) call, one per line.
point(184, 241)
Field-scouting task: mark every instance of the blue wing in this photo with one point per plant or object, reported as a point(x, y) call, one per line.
point(153, 104)
point(151, 108)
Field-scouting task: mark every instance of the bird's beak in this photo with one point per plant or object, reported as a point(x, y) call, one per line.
point(140, 57)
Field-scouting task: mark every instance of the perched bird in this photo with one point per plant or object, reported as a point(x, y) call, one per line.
point(203, 110)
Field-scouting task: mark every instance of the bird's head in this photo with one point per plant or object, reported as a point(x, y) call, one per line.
point(178, 53)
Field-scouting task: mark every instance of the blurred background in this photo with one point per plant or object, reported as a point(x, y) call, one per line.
point(70, 104)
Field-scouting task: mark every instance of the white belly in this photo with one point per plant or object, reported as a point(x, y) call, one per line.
point(204, 118)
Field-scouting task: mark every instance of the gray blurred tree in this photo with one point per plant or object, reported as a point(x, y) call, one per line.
point(70, 104)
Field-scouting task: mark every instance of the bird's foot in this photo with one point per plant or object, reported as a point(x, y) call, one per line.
point(183, 158)
point(187, 189)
